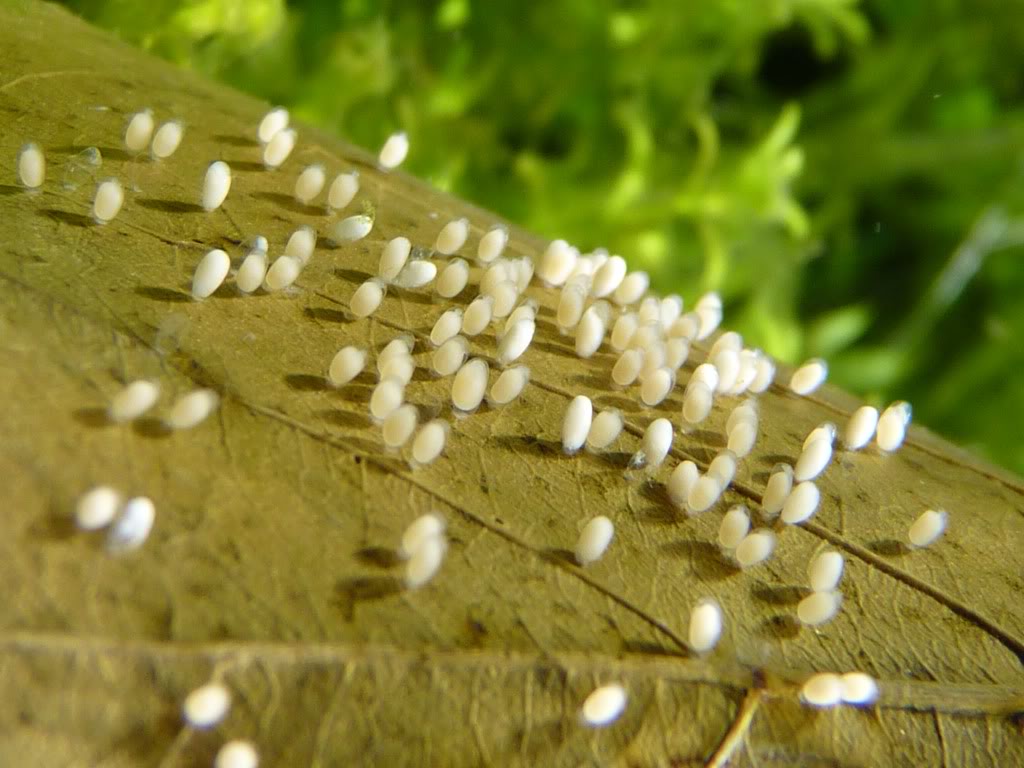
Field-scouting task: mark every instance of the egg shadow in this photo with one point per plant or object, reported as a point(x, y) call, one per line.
point(558, 556)
point(346, 419)
point(351, 275)
point(234, 141)
point(151, 428)
point(159, 293)
point(780, 627)
point(288, 202)
point(67, 217)
point(349, 593)
point(888, 547)
point(379, 557)
point(532, 445)
point(328, 315)
point(779, 595)
point(10, 189)
point(306, 382)
point(705, 557)
point(169, 206)
point(92, 417)
point(245, 165)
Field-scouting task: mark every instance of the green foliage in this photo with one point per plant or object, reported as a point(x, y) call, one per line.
point(848, 175)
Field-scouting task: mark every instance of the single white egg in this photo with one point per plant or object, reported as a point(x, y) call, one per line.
point(780, 483)
point(386, 397)
point(207, 705)
point(132, 526)
point(351, 229)
point(470, 385)
point(237, 754)
point(764, 374)
point(814, 458)
point(310, 183)
point(452, 237)
point(697, 402)
point(676, 353)
point(594, 540)
point(824, 431)
point(425, 562)
point(861, 428)
point(393, 258)
point(367, 298)
point(394, 151)
point(590, 332)
point(477, 315)
point(705, 626)
point(686, 327)
point(655, 445)
point(400, 346)
point(735, 526)
point(571, 302)
point(422, 528)
point(727, 363)
point(892, 426)
point(604, 706)
point(515, 341)
point(525, 311)
point(927, 528)
point(703, 494)
point(492, 244)
point(346, 365)
point(253, 271)
point(801, 503)
point(343, 190)
point(728, 340)
point(825, 571)
point(108, 201)
point(210, 273)
point(859, 688)
point(632, 288)
point(282, 273)
point(743, 438)
point(608, 277)
point(399, 425)
point(809, 376)
point(453, 278)
point(681, 481)
point(301, 244)
point(818, 608)
point(430, 442)
point(97, 508)
point(447, 326)
point(755, 548)
point(557, 262)
point(822, 690)
point(279, 148)
point(723, 467)
point(416, 274)
point(133, 401)
point(32, 166)
point(192, 409)
point(623, 330)
point(138, 131)
point(656, 386)
point(167, 139)
point(509, 385)
point(216, 185)
point(604, 429)
point(449, 357)
point(576, 425)
point(275, 121)
point(627, 367)
point(399, 367)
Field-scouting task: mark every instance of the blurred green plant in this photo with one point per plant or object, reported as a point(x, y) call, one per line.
point(848, 175)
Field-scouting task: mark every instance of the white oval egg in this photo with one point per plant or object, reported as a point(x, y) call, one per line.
point(515, 341)
point(301, 244)
point(351, 228)
point(310, 183)
point(825, 571)
point(743, 438)
point(216, 185)
point(755, 548)
point(627, 367)
point(632, 288)
point(31, 166)
point(814, 458)
point(681, 481)
point(509, 385)
point(429, 442)
point(818, 608)
point(728, 340)
point(557, 262)
point(861, 428)
point(764, 374)
point(492, 244)
point(477, 316)
point(727, 363)
point(134, 400)
point(277, 150)
point(527, 310)
point(604, 706)
point(892, 426)
point(416, 274)
point(253, 272)
point(576, 424)
point(367, 298)
point(421, 529)
point(723, 468)
point(236, 753)
point(97, 508)
point(167, 139)
point(676, 353)
point(809, 376)
point(449, 357)
point(858, 688)
point(399, 425)
point(608, 277)
point(192, 409)
point(139, 131)
point(393, 152)
point(623, 330)
point(571, 302)
point(399, 367)
point(801, 503)
point(282, 273)
point(343, 190)
point(452, 237)
point(928, 528)
point(447, 326)
point(780, 483)
point(705, 626)
point(703, 494)
point(452, 279)
point(604, 429)
point(108, 201)
point(210, 273)
point(386, 397)
point(656, 387)
point(425, 562)
point(590, 332)
point(346, 365)
point(275, 121)
point(470, 385)
point(132, 526)
point(594, 540)
point(655, 445)
point(822, 690)
point(697, 402)
point(207, 705)
point(734, 527)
